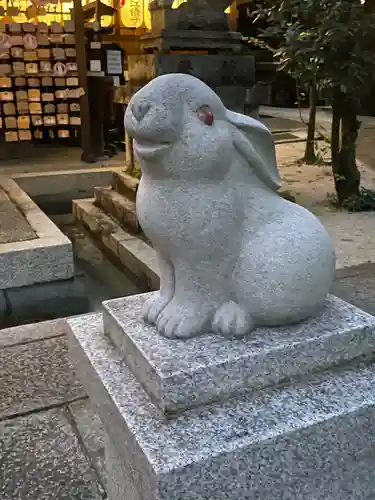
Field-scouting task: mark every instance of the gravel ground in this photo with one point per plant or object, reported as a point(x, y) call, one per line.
point(353, 234)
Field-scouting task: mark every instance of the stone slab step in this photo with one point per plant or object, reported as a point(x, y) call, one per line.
point(125, 184)
point(135, 255)
point(118, 206)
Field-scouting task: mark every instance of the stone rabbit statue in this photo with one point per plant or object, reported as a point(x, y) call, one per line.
point(233, 253)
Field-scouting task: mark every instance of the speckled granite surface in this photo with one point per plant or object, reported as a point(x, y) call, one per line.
point(181, 374)
point(45, 454)
point(314, 439)
point(41, 459)
point(37, 374)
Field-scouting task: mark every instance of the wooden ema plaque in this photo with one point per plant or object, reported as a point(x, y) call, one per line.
point(39, 86)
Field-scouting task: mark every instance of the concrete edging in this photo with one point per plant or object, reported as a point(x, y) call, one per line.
point(49, 189)
point(48, 257)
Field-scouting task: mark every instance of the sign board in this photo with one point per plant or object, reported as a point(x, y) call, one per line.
point(114, 62)
point(95, 65)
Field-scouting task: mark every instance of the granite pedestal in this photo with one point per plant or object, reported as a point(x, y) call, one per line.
point(285, 413)
point(165, 40)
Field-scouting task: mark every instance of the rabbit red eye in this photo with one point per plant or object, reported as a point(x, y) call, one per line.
point(206, 115)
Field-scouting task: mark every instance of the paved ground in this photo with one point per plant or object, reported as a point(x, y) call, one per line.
point(50, 440)
point(50, 444)
point(366, 139)
point(56, 159)
point(13, 224)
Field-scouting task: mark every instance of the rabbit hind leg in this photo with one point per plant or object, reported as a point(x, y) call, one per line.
point(231, 320)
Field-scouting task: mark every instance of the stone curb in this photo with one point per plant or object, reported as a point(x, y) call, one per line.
point(136, 256)
point(46, 258)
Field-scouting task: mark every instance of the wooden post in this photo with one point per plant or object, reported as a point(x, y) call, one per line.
point(233, 17)
point(116, 4)
point(82, 75)
point(98, 17)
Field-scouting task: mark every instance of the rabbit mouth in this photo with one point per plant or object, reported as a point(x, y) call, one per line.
point(147, 149)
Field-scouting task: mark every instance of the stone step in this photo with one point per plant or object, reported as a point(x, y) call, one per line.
point(135, 255)
point(125, 184)
point(118, 206)
point(268, 357)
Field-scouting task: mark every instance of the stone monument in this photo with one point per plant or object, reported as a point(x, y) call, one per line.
point(181, 27)
point(195, 39)
point(285, 408)
point(193, 14)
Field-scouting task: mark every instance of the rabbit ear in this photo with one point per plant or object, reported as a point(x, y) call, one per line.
point(254, 141)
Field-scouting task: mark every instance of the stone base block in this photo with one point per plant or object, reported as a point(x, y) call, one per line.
point(120, 480)
point(178, 375)
point(231, 76)
point(217, 70)
point(306, 436)
point(164, 40)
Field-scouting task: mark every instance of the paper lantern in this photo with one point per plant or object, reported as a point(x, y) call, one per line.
point(135, 13)
point(132, 13)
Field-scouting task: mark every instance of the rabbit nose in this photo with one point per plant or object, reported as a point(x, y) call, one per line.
point(139, 110)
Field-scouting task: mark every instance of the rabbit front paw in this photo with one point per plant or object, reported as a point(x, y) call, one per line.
point(182, 321)
point(231, 320)
point(154, 306)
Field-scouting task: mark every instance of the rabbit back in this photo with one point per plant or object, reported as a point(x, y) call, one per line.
point(285, 270)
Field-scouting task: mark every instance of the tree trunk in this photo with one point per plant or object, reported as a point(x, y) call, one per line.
point(335, 137)
point(129, 154)
point(346, 174)
point(309, 156)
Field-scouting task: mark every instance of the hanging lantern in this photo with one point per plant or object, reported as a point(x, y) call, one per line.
point(135, 13)
point(132, 13)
